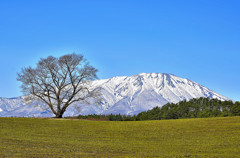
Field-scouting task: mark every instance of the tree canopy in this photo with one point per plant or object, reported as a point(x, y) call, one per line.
point(59, 82)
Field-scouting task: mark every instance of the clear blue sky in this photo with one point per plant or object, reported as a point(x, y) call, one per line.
point(194, 39)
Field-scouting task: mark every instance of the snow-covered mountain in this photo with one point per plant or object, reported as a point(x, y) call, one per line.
point(125, 95)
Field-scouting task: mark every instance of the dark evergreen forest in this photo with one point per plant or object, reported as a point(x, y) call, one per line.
point(194, 108)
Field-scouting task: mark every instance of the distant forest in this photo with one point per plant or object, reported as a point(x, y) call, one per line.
point(194, 108)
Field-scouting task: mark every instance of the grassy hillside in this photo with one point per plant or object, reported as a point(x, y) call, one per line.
point(210, 137)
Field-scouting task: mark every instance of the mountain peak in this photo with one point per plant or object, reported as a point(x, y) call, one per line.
point(153, 74)
point(146, 90)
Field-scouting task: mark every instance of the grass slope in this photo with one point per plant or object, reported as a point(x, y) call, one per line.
point(211, 137)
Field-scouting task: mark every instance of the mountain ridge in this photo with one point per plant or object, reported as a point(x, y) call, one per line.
point(125, 95)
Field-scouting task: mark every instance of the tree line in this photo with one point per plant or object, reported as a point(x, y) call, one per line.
point(194, 108)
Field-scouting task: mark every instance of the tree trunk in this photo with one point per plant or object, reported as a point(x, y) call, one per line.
point(59, 114)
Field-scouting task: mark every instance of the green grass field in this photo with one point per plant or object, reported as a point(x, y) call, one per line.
point(29, 137)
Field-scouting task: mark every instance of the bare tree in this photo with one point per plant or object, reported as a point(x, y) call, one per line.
point(59, 82)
